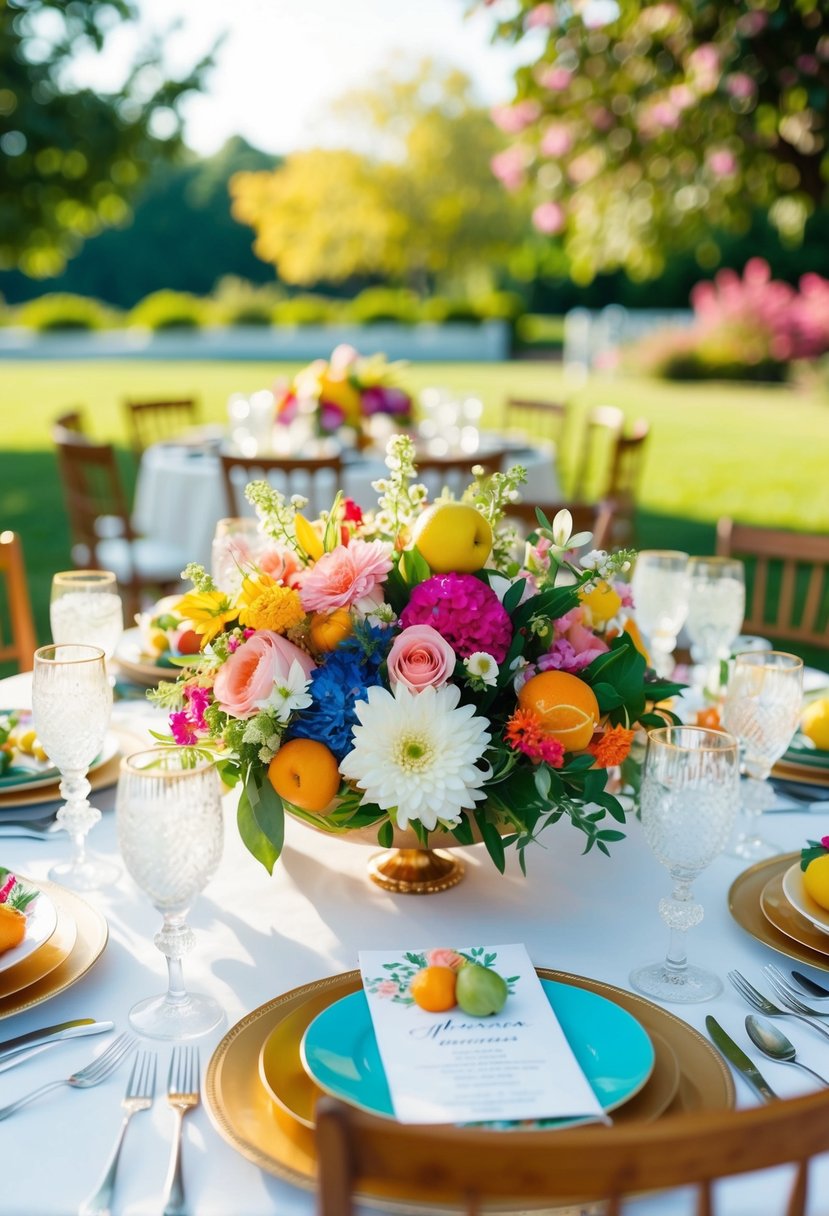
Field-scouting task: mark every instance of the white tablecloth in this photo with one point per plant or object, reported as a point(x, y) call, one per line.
point(259, 936)
point(180, 494)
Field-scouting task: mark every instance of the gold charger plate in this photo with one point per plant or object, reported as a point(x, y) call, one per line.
point(294, 1091)
point(99, 778)
point(804, 774)
point(246, 1116)
point(785, 917)
point(91, 934)
point(45, 959)
point(745, 903)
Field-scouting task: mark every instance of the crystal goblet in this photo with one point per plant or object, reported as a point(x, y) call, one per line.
point(660, 593)
point(71, 708)
point(689, 797)
point(170, 831)
point(716, 606)
point(85, 607)
point(762, 708)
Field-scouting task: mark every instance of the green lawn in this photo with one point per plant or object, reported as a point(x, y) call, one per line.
point(759, 453)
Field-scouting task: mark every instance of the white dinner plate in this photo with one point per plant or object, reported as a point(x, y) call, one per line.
point(38, 776)
point(801, 901)
point(139, 666)
point(41, 922)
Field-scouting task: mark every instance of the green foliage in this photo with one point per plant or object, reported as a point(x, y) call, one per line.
point(62, 311)
point(378, 304)
point(170, 310)
point(642, 134)
point(72, 158)
point(305, 310)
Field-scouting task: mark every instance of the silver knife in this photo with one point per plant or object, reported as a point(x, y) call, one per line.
point(738, 1059)
point(52, 1034)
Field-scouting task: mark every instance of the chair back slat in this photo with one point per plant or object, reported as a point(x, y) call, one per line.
point(454, 473)
point(788, 576)
point(92, 488)
point(545, 420)
point(602, 430)
point(22, 640)
point(149, 422)
point(317, 479)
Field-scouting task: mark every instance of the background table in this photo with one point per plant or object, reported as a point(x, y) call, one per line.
point(180, 493)
point(258, 936)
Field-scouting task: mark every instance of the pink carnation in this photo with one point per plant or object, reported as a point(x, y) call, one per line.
point(420, 658)
point(463, 610)
point(345, 575)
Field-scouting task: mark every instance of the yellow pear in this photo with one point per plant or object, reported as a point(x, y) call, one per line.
point(453, 536)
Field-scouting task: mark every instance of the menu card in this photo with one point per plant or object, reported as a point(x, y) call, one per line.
point(455, 1067)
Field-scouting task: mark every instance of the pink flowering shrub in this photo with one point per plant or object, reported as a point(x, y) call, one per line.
point(749, 327)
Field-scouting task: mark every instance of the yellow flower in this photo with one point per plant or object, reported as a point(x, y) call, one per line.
point(266, 604)
point(209, 612)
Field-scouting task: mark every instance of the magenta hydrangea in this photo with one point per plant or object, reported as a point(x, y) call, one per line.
point(463, 610)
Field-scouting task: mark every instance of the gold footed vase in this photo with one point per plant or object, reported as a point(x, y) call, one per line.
point(415, 871)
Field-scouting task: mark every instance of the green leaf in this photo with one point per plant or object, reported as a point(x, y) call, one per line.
point(413, 567)
point(463, 832)
point(261, 820)
point(513, 596)
point(385, 835)
point(543, 781)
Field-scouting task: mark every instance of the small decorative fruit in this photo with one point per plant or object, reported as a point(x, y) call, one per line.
point(566, 707)
point(816, 880)
point(632, 630)
point(815, 722)
point(305, 773)
point(453, 536)
point(433, 989)
point(189, 642)
point(480, 990)
point(709, 718)
point(12, 927)
point(328, 629)
point(602, 602)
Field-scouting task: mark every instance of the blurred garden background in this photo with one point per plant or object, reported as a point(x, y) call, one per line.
point(634, 194)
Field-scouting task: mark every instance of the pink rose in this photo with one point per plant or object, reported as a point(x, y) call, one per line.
point(387, 988)
point(281, 564)
point(420, 658)
point(249, 675)
point(445, 958)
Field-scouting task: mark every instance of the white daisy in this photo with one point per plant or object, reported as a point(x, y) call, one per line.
point(482, 666)
point(288, 695)
point(415, 754)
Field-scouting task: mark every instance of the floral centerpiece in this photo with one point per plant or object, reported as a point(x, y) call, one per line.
point(418, 667)
point(344, 391)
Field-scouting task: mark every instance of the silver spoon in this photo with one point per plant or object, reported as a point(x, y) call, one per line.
point(773, 1043)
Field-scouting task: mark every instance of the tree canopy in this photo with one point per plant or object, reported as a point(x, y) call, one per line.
point(421, 205)
point(71, 159)
point(643, 126)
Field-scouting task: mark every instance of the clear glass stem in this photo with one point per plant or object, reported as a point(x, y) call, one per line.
point(680, 913)
point(174, 939)
point(662, 654)
point(76, 816)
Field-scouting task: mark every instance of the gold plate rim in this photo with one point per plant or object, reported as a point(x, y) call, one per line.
point(745, 907)
point(688, 1090)
point(783, 915)
point(92, 935)
point(45, 959)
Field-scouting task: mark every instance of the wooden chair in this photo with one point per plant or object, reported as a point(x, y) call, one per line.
point(151, 421)
point(602, 431)
point(455, 472)
point(464, 1167)
point(544, 420)
point(318, 479)
point(22, 641)
point(102, 534)
point(595, 517)
point(788, 580)
point(72, 420)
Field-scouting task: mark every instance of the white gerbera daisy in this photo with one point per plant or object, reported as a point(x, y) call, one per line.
point(415, 754)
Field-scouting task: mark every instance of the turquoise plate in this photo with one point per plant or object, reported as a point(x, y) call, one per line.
point(339, 1050)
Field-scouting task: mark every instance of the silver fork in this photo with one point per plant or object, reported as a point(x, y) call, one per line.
point(182, 1095)
point(96, 1071)
point(793, 1002)
point(139, 1096)
point(774, 973)
point(749, 993)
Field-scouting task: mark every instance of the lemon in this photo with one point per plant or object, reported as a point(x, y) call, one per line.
point(25, 741)
point(815, 722)
point(602, 601)
point(816, 880)
point(38, 751)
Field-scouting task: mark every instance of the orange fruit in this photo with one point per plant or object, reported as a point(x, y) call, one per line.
point(328, 629)
point(12, 927)
point(566, 707)
point(305, 773)
point(433, 988)
point(632, 630)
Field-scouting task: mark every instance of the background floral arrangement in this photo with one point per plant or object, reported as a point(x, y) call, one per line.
point(343, 391)
point(417, 666)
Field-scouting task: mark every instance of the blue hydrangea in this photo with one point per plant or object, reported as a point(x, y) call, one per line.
point(344, 678)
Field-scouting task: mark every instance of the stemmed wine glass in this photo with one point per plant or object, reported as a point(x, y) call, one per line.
point(85, 607)
point(762, 708)
point(716, 606)
point(660, 593)
point(71, 707)
point(690, 791)
point(170, 831)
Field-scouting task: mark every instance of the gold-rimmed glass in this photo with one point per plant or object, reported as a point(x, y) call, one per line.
point(689, 797)
point(762, 708)
point(71, 708)
point(660, 597)
point(85, 607)
point(716, 607)
point(170, 831)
